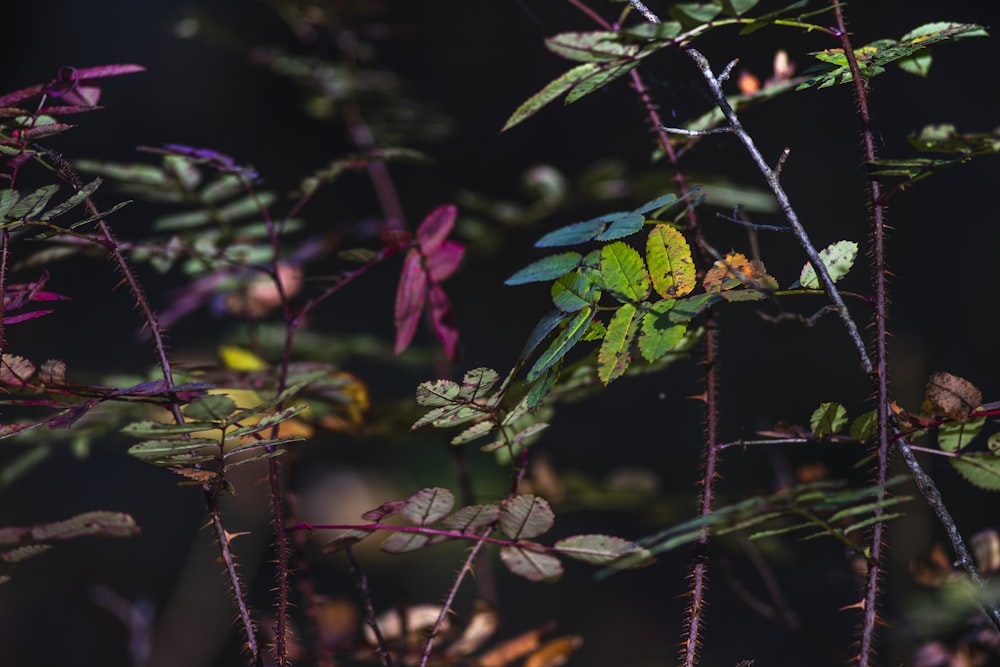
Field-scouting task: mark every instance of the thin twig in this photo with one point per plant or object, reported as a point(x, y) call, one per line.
point(638, 6)
point(452, 592)
point(923, 481)
point(366, 599)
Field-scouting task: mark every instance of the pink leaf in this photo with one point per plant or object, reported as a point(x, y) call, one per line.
point(443, 321)
point(14, 319)
point(444, 261)
point(410, 298)
point(436, 227)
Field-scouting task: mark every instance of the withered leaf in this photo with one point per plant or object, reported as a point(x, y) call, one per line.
point(952, 396)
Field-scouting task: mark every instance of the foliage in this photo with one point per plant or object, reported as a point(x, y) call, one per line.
point(265, 387)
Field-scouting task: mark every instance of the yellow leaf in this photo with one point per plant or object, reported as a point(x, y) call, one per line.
point(240, 359)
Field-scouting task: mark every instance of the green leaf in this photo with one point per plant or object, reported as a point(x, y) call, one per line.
point(8, 199)
point(685, 310)
point(545, 326)
point(623, 272)
point(604, 550)
point(671, 266)
point(428, 505)
point(266, 422)
point(517, 440)
point(828, 419)
point(864, 426)
point(216, 407)
point(149, 429)
point(955, 436)
point(563, 343)
point(613, 357)
point(868, 508)
point(74, 200)
point(551, 91)
point(655, 205)
point(472, 519)
point(575, 291)
point(547, 268)
point(981, 469)
point(607, 74)
point(578, 232)
point(838, 258)
point(474, 432)
point(525, 516)
point(435, 393)
point(623, 226)
point(665, 31)
point(659, 335)
point(590, 46)
point(236, 447)
point(176, 452)
point(30, 205)
point(695, 13)
point(532, 565)
point(540, 389)
point(738, 7)
point(477, 383)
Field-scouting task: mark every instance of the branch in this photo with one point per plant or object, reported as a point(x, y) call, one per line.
point(923, 481)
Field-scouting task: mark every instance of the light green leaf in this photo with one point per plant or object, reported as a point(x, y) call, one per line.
point(671, 267)
point(575, 291)
point(955, 436)
point(980, 469)
point(32, 203)
point(613, 357)
point(838, 258)
point(623, 272)
point(828, 419)
point(864, 426)
point(436, 393)
point(150, 429)
point(74, 200)
point(532, 565)
point(526, 516)
point(551, 91)
point(659, 335)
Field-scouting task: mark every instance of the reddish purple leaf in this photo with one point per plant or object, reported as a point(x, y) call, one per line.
point(409, 299)
point(103, 71)
point(436, 227)
point(395, 237)
point(62, 110)
point(443, 262)
point(21, 95)
point(443, 320)
point(40, 131)
point(14, 319)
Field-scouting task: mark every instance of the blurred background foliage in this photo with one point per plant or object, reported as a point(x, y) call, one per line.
point(272, 83)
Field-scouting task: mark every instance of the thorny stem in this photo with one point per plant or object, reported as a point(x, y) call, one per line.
point(881, 379)
point(113, 247)
point(3, 286)
point(366, 600)
point(699, 578)
point(452, 592)
point(923, 481)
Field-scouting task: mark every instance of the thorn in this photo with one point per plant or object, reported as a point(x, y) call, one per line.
point(231, 536)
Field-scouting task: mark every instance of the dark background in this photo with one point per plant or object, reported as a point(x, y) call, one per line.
point(473, 63)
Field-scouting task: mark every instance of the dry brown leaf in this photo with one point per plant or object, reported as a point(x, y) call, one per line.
point(555, 652)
